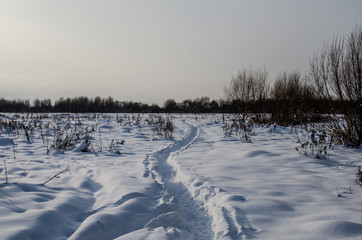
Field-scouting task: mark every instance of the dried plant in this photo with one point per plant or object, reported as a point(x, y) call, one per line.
point(57, 175)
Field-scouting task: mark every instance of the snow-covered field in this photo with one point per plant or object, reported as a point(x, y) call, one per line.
point(128, 181)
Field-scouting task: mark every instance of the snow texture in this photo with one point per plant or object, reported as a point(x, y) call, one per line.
point(128, 182)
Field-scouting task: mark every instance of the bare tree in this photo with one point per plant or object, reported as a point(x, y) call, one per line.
point(291, 93)
point(337, 74)
point(247, 90)
point(249, 86)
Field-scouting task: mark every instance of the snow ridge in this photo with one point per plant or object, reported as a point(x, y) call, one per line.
point(229, 221)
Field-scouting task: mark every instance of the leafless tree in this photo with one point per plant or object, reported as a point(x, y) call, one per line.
point(248, 86)
point(337, 75)
point(247, 90)
point(291, 93)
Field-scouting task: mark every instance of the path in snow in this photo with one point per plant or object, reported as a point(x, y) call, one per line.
point(191, 217)
point(229, 220)
point(211, 212)
point(165, 206)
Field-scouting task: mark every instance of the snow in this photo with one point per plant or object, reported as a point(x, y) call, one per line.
point(133, 183)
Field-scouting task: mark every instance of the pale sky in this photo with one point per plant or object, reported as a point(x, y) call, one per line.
point(152, 50)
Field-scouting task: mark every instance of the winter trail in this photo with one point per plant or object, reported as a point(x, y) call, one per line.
point(166, 207)
point(211, 212)
point(224, 210)
point(194, 223)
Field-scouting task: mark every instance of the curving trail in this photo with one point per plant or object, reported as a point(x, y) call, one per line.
point(167, 206)
point(192, 218)
point(202, 211)
point(225, 218)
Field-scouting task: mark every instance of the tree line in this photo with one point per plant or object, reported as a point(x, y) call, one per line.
point(281, 104)
point(109, 105)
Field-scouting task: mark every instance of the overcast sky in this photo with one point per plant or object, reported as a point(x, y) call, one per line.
point(153, 50)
